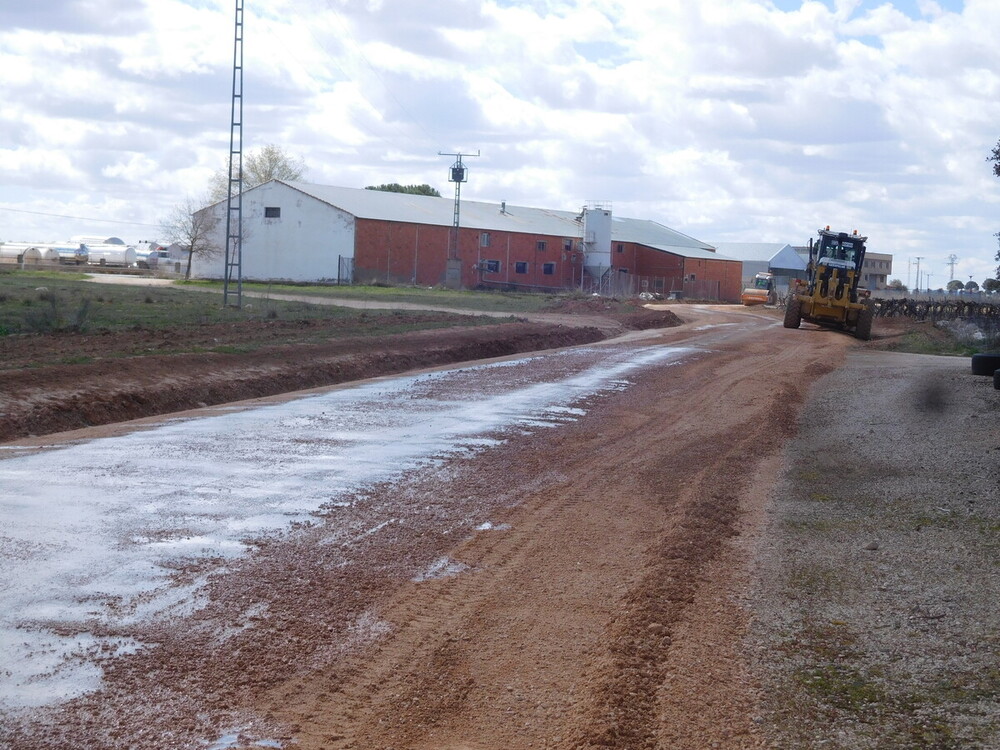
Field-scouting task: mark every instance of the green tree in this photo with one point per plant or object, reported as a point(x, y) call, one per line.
point(259, 166)
point(997, 256)
point(995, 158)
point(194, 230)
point(991, 285)
point(955, 285)
point(971, 286)
point(897, 285)
point(395, 187)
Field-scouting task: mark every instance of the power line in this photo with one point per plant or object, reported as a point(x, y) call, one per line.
point(77, 218)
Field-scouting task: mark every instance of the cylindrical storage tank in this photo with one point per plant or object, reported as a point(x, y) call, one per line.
point(49, 254)
point(11, 252)
point(111, 255)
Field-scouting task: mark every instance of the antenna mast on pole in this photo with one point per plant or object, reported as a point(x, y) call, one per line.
point(458, 174)
point(952, 260)
point(234, 204)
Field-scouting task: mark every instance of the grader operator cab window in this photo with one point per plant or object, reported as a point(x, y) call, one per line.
point(838, 249)
point(762, 283)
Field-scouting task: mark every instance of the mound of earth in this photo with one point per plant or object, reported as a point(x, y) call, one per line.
point(65, 381)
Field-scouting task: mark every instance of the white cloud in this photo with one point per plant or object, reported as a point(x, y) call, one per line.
point(725, 119)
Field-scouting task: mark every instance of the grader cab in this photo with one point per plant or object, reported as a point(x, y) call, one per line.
point(831, 295)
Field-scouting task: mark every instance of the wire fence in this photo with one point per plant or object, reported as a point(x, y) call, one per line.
point(971, 316)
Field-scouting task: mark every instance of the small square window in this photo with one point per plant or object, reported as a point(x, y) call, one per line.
point(540, 246)
point(521, 267)
point(491, 266)
point(272, 212)
point(548, 269)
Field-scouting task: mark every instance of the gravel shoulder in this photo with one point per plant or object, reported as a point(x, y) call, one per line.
point(875, 620)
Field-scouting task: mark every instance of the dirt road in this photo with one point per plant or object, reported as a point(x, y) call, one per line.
point(575, 587)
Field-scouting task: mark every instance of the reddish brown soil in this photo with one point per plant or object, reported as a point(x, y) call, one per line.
point(603, 611)
point(139, 373)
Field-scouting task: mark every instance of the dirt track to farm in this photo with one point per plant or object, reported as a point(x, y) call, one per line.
point(595, 593)
point(602, 617)
point(573, 624)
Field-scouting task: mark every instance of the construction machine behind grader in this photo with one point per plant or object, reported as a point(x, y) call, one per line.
point(831, 295)
point(760, 291)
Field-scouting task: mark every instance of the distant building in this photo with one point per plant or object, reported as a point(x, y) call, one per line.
point(766, 257)
point(875, 271)
point(302, 232)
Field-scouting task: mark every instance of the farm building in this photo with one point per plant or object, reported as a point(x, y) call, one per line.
point(766, 257)
point(296, 231)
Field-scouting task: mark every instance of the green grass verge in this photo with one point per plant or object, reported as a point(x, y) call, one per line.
point(482, 300)
point(46, 302)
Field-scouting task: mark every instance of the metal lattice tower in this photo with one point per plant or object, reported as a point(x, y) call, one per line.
point(458, 174)
point(234, 203)
point(952, 260)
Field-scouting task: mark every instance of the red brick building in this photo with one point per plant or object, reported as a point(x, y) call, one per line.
point(303, 232)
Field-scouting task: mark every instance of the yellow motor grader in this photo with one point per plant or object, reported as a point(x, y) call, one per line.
point(831, 295)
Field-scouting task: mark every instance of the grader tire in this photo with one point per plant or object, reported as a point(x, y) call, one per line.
point(793, 312)
point(985, 364)
point(863, 330)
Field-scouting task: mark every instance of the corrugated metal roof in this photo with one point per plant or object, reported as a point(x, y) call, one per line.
point(777, 255)
point(750, 250)
point(488, 217)
point(695, 253)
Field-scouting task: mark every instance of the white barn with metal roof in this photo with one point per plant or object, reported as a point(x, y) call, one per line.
point(299, 231)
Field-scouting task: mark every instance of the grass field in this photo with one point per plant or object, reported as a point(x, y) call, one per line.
point(484, 300)
point(42, 302)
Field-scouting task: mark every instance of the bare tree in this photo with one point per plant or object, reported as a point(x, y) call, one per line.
point(195, 228)
point(260, 166)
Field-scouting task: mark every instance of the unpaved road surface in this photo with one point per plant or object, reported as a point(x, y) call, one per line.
point(583, 582)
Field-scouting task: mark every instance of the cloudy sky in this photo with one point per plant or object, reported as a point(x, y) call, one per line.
point(729, 120)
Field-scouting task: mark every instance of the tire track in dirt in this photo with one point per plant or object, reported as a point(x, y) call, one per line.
point(562, 631)
point(541, 635)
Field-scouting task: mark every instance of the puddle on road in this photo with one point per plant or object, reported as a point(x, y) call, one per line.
point(93, 531)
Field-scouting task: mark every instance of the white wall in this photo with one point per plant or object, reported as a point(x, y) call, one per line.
point(304, 244)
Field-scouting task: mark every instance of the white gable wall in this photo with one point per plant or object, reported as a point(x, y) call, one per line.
point(305, 243)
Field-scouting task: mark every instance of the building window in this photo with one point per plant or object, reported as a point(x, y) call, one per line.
point(548, 269)
point(540, 246)
point(491, 266)
point(658, 285)
point(620, 248)
point(521, 267)
point(484, 239)
point(567, 246)
point(272, 212)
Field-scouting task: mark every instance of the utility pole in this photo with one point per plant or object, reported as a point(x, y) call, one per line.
point(458, 174)
point(952, 260)
point(234, 202)
point(919, 258)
